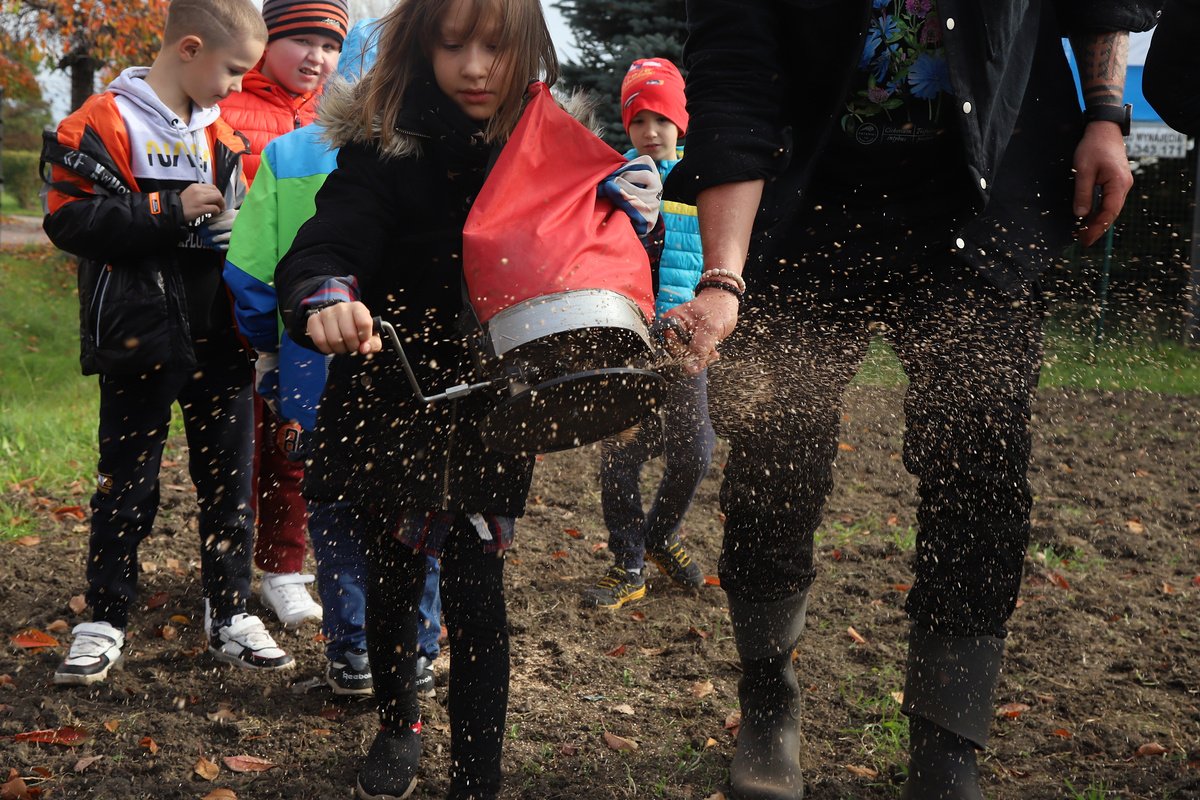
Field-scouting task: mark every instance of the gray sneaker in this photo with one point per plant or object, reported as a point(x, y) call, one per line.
point(350, 674)
point(95, 650)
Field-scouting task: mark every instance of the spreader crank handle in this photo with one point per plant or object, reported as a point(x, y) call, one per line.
point(664, 325)
point(389, 335)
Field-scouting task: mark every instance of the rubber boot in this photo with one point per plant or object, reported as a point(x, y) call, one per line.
point(948, 699)
point(766, 765)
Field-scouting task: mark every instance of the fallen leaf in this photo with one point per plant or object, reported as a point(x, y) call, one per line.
point(58, 626)
point(77, 604)
point(157, 600)
point(331, 713)
point(893, 521)
point(1062, 733)
point(710, 742)
point(652, 652)
point(321, 732)
point(43, 772)
point(901, 587)
point(169, 633)
point(573, 533)
point(206, 769)
point(1167, 588)
point(699, 634)
point(861, 772)
point(568, 750)
point(845, 447)
point(220, 794)
point(62, 513)
point(32, 637)
point(638, 616)
point(712, 580)
point(617, 651)
point(1135, 526)
point(84, 763)
point(14, 789)
point(223, 715)
point(716, 796)
point(559, 555)
point(733, 722)
point(149, 744)
point(248, 763)
point(1058, 580)
point(112, 725)
point(1011, 710)
point(181, 619)
point(27, 541)
point(855, 635)
point(625, 709)
point(898, 697)
point(68, 736)
point(1150, 749)
point(701, 689)
point(619, 743)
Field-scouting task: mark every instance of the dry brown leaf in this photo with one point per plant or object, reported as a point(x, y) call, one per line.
point(33, 638)
point(617, 651)
point(638, 616)
point(898, 697)
point(149, 744)
point(206, 769)
point(699, 634)
point(181, 619)
point(1135, 526)
point(223, 715)
point(861, 772)
point(1150, 749)
point(77, 604)
point(625, 709)
point(573, 533)
point(716, 796)
point(58, 626)
point(321, 732)
point(652, 652)
point(701, 689)
point(27, 541)
point(568, 750)
point(169, 632)
point(1062, 733)
point(248, 763)
point(220, 794)
point(14, 789)
point(619, 743)
point(710, 742)
point(112, 725)
point(84, 763)
point(157, 600)
point(855, 635)
point(845, 447)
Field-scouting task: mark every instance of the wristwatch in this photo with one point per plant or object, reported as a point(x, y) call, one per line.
point(1122, 115)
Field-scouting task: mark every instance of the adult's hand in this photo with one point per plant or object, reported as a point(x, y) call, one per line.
point(709, 318)
point(1100, 161)
point(344, 328)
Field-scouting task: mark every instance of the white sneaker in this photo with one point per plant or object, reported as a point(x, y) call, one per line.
point(284, 593)
point(246, 643)
point(95, 650)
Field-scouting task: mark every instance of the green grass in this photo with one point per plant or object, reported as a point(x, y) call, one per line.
point(1071, 361)
point(48, 410)
point(9, 205)
point(878, 725)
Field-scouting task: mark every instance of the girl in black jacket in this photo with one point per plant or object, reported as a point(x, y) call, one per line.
point(416, 135)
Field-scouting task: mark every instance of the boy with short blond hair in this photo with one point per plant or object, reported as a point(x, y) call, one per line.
point(144, 184)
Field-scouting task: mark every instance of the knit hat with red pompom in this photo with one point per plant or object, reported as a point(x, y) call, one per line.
point(286, 18)
point(654, 84)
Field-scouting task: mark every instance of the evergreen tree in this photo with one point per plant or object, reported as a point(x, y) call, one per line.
point(610, 34)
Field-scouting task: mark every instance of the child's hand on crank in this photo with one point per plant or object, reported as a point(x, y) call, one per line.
point(343, 328)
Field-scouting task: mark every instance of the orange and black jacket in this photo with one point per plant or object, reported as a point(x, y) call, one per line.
point(150, 286)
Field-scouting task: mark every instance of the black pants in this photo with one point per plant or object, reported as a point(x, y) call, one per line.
point(476, 621)
point(135, 414)
point(971, 353)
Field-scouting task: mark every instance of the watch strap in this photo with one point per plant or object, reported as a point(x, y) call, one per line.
point(1122, 115)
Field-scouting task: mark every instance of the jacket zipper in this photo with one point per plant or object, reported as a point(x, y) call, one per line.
point(449, 453)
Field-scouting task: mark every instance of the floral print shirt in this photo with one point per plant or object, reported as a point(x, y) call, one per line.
point(902, 78)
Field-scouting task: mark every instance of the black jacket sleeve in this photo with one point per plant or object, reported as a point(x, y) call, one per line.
point(348, 235)
point(1168, 79)
point(116, 227)
point(736, 88)
point(1105, 16)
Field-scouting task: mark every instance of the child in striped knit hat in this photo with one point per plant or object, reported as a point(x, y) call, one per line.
point(304, 42)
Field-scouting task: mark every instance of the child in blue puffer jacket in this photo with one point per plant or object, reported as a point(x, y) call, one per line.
point(654, 113)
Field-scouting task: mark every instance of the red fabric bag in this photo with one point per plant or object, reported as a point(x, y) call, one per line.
point(538, 226)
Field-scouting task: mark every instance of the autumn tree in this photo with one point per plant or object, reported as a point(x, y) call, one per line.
point(610, 34)
point(86, 37)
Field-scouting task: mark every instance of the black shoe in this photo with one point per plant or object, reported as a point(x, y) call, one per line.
point(677, 565)
point(350, 674)
point(390, 770)
point(618, 587)
point(424, 683)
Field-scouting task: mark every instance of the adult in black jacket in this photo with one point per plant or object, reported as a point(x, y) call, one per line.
point(913, 163)
point(1168, 79)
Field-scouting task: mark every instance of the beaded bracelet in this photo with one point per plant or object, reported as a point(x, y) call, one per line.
point(723, 286)
point(725, 273)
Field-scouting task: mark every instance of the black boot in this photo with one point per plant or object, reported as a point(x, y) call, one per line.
point(766, 765)
point(390, 769)
point(948, 699)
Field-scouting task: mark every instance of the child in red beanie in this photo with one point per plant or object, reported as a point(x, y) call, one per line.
point(304, 41)
point(654, 112)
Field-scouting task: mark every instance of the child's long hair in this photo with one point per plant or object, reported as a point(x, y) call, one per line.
point(407, 36)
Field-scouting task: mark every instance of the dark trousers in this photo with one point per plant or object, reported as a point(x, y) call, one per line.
point(135, 414)
point(972, 355)
point(687, 442)
point(477, 626)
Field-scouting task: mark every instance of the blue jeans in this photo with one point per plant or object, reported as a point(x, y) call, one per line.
point(338, 545)
point(687, 444)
